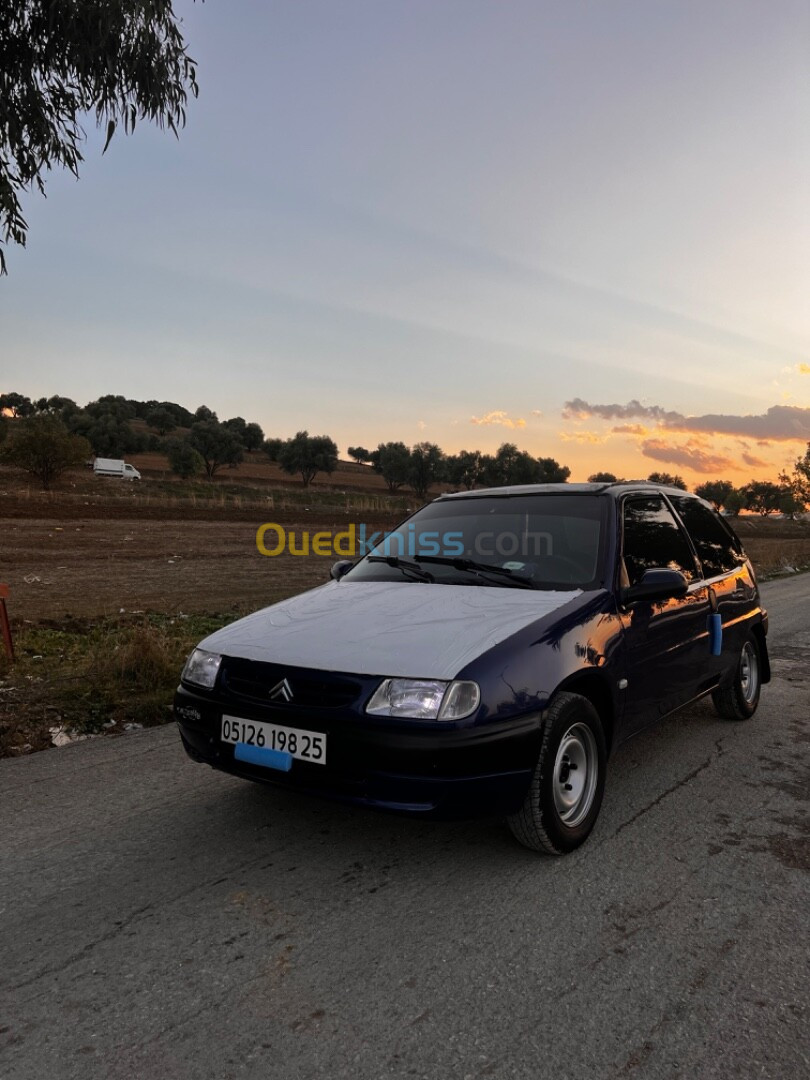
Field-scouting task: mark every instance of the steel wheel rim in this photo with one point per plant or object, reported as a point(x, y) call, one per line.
point(749, 673)
point(576, 770)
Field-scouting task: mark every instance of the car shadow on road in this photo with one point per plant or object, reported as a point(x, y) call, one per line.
point(301, 829)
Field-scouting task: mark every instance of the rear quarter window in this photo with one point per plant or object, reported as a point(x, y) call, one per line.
point(718, 550)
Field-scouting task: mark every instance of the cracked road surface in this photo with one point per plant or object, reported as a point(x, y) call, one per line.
point(162, 920)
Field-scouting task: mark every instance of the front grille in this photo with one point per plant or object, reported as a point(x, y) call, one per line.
point(253, 680)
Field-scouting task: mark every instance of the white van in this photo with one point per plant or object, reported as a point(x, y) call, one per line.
point(115, 467)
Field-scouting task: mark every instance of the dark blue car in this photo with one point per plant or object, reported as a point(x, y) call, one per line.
point(487, 656)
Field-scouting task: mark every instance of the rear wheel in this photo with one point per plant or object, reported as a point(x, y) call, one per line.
point(565, 794)
point(739, 700)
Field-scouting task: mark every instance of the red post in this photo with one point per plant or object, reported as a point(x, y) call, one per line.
point(5, 626)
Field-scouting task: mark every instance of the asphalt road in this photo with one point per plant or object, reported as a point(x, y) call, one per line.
point(158, 919)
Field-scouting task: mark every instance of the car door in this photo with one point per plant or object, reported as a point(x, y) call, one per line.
point(666, 643)
point(727, 575)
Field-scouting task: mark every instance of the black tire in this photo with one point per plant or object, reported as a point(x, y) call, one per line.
point(739, 700)
point(557, 816)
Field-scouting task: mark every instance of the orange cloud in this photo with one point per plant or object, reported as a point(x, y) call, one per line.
point(631, 429)
point(689, 456)
point(583, 437)
point(498, 416)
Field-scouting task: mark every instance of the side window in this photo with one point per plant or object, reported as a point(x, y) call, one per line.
point(653, 540)
point(715, 545)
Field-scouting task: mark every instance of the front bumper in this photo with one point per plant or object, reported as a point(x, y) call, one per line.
point(458, 771)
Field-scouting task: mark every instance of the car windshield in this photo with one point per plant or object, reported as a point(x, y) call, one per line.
point(504, 541)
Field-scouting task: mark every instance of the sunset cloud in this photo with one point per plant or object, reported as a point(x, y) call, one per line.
point(781, 423)
point(631, 429)
point(578, 409)
point(498, 416)
point(755, 462)
point(583, 437)
point(803, 369)
point(689, 456)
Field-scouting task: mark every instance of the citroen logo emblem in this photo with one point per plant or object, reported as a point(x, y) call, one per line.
point(281, 691)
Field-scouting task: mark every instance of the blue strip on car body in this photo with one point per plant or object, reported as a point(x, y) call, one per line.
point(262, 755)
point(715, 634)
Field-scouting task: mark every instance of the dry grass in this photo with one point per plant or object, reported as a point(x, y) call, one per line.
point(85, 677)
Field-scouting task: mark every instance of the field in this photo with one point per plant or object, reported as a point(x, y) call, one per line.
point(112, 583)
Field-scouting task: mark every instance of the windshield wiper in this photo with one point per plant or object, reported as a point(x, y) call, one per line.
point(477, 568)
point(403, 564)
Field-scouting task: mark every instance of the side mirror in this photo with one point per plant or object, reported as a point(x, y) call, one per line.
point(656, 585)
point(340, 569)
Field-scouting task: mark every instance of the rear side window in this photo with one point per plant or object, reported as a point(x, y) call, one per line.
point(717, 549)
point(653, 540)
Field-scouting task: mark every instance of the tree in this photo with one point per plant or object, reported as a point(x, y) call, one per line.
point(551, 472)
point(16, 404)
point(253, 437)
point(44, 447)
point(716, 492)
point(666, 479)
point(506, 464)
point(464, 469)
point(308, 455)
point(359, 454)
point(184, 460)
point(603, 478)
point(215, 445)
point(112, 405)
point(236, 425)
point(790, 501)
point(162, 420)
point(511, 466)
point(182, 417)
point(122, 60)
point(108, 434)
point(426, 466)
point(204, 413)
point(799, 480)
point(762, 497)
point(735, 501)
point(56, 405)
point(272, 447)
point(392, 460)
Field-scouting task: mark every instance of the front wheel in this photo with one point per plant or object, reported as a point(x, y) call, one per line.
point(565, 794)
point(739, 700)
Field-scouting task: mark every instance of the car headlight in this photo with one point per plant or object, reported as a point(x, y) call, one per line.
point(424, 699)
point(201, 668)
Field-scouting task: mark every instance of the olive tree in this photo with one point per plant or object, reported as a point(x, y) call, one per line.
point(716, 492)
point(392, 460)
point(308, 455)
point(426, 467)
point(215, 444)
point(43, 446)
point(184, 460)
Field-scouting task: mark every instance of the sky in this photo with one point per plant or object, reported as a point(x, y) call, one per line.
point(581, 227)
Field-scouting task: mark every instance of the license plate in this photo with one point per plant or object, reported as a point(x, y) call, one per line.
point(303, 745)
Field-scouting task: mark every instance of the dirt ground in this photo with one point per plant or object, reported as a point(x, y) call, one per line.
point(79, 568)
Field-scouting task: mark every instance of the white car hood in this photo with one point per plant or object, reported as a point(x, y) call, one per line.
point(386, 627)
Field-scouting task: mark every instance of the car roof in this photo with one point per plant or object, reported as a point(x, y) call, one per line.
point(613, 490)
